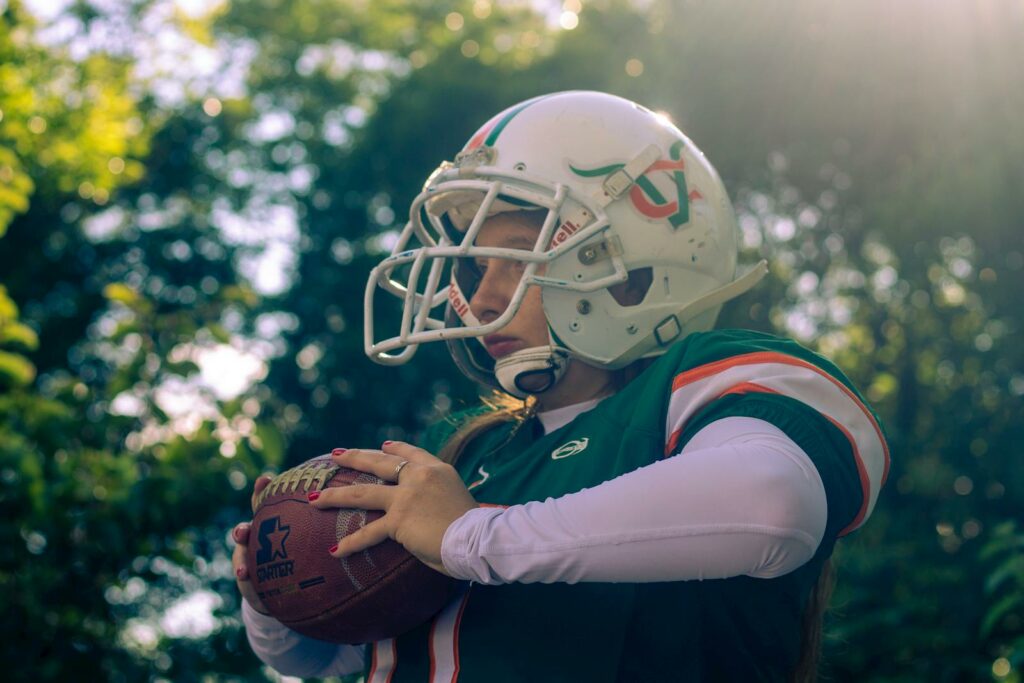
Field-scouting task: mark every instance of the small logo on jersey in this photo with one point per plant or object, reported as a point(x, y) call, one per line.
point(572, 448)
point(484, 476)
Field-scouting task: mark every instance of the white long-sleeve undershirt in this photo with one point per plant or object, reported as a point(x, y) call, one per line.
point(740, 499)
point(292, 654)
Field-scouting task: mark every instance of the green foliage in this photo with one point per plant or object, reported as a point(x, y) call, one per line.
point(71, 125)
point(1004, 591)
point(15, 369)
point(873, 152)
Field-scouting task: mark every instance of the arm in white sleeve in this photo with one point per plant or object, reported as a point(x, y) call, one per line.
point(292, 654)
point(740, 499)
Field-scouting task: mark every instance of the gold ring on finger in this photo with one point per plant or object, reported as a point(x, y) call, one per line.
point(398, 470)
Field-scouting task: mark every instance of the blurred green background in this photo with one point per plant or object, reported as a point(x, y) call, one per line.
point(192, 193)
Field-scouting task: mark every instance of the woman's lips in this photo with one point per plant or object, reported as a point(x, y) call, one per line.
point(501, 346)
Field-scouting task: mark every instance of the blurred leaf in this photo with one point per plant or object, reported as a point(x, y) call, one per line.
point(1011, 568)
point(121, 293)
point(997, 611)
point(16, 369)
point(17, 333)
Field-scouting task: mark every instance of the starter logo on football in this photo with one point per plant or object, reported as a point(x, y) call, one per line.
point(572, 448)
point(272, 537)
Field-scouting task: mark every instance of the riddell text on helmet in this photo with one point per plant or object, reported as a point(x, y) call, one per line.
point(565, 231)
point(458, 303)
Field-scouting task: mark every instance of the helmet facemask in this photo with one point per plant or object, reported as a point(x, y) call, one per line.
point(431, 263)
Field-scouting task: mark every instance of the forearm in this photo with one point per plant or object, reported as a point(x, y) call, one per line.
point(745, 500)
point(293, 654)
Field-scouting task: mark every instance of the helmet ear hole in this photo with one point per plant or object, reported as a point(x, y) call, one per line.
point(633, 291)
point(535, 381)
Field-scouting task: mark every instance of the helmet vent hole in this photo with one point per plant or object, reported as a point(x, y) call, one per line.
point(520, 166)
point(633, 291)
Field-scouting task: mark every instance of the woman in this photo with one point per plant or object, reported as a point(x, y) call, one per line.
point(663, 502)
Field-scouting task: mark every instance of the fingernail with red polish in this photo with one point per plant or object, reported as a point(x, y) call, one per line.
point(338, 451)
point(333, 549)
point(242, 573)
point(313, 495)
point(388, 442)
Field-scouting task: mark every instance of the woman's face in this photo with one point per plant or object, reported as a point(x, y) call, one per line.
point(499, 279)
point(529, 327)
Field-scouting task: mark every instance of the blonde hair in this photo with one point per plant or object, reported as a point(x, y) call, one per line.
point(503, 408)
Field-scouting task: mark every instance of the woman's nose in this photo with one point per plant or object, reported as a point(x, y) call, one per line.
point(491, 297)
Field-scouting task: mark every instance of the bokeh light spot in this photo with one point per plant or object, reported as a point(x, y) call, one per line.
point(212, 106)
point(454, 21)
point(634, 67)
point(481, 9)
point(569, 20)
point(1001, 667)
point(470, 48)
point(963, 485)
point(530, 39)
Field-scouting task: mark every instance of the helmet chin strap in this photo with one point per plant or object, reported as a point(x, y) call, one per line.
point(531, 371)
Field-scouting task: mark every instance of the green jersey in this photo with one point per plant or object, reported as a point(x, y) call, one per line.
point(735, 629)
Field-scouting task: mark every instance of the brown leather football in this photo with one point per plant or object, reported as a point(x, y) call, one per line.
point(378, 593)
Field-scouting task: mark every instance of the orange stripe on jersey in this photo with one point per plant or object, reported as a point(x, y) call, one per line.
point(744, 388)
point(455, 643)
point(865, 484)
point(383, 656)
point(443, 641)
point(696, 388)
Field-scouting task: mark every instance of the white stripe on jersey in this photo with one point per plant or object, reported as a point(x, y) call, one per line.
point(789, 376)
point(444, 641)
point(383, 667)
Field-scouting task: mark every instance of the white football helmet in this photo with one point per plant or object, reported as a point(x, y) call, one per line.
point(624, 192)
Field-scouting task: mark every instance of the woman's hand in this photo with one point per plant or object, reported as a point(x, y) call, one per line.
point(428, 497)
point(240, 534)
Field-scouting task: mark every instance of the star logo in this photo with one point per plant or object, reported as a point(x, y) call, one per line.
point(272, 536)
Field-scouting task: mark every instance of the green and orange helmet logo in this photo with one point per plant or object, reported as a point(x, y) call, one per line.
point(645, 195)
point(489, 132)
